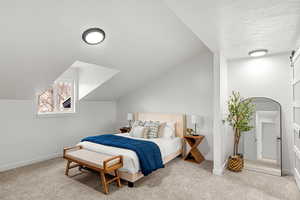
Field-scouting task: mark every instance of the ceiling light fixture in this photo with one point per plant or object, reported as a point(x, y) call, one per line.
point(93, 36)
point(258, 52)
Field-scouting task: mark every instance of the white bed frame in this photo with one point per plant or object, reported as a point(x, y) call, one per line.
point(179, 131)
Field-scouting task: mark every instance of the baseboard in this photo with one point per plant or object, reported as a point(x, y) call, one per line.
point(286, 172)
point(220, 170)
point(28, 162)
point(264, 170)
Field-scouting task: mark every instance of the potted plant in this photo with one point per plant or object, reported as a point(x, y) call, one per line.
point(239, 117)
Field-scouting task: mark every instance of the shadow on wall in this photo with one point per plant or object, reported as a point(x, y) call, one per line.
point(205, 147)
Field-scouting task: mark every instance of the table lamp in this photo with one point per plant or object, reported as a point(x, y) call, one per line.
point(130, 118)
point(195, 121)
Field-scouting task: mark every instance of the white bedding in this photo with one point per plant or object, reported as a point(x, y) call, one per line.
point(131, 161)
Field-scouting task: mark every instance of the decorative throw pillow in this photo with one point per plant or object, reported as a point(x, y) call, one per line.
point(153, 129)
point(138, 131)
point(138, 123)
point(145, 134)
point(168, 131)
point(161, 129)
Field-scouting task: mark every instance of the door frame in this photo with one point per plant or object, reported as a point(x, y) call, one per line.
point(294, 58)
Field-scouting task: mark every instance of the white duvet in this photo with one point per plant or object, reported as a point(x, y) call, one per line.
point(131, 161)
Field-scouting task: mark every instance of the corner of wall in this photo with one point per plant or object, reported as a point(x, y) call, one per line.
point(219, 171)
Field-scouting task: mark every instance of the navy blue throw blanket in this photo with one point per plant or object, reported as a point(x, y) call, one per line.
point(148, 152)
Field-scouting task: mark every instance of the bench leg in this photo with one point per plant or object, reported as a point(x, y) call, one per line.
point(130, 184)
point(103, 181)
point(118, 180)
point(67, 168)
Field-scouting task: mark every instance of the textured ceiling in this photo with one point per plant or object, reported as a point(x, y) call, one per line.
point(236, 27)
point(41, 39)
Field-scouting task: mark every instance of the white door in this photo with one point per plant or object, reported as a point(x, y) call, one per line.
point(296, 113)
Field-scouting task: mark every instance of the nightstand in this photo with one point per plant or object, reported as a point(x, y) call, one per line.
point(194, 155)
point(125, 129)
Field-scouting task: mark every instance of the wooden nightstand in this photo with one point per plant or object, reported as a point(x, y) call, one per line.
point(125, 129)
point(194, 155)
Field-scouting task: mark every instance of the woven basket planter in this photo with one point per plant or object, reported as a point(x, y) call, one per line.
point(235, 163)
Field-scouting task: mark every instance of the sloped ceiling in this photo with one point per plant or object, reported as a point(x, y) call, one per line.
point(237, 27)
point(91, 76)
point(41, 39)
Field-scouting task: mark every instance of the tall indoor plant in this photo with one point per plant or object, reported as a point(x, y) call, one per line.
point(239, 117)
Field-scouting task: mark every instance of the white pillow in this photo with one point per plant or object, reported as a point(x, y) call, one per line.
point(137, 131)
point(161, 129)
point(168, 130)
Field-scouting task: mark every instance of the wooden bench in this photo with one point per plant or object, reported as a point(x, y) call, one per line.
point(101, 163)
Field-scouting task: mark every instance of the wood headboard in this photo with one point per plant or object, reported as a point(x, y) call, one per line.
point(178, 118)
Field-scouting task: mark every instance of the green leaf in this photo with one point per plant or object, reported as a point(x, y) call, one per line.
point(240, 113)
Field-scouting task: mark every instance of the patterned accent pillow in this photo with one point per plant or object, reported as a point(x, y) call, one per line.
point(153, 129)
point(138, 123)
point(138, 131)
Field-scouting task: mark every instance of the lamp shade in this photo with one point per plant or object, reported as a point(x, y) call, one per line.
point(194, 119)
point(129, 116)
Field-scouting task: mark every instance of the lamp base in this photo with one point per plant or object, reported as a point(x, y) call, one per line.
point(129, 123)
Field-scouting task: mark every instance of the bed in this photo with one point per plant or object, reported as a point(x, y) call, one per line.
point(169, 148)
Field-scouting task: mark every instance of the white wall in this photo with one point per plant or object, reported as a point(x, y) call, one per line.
point(186, 88)
point(267, 77)
point(26, 138)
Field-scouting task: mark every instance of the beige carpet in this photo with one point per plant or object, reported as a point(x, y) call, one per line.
point(178, 180)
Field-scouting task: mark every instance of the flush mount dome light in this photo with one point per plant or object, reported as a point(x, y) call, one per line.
point(258, 52)
point(93, 36)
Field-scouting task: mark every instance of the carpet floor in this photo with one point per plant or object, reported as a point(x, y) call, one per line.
point(179, 180)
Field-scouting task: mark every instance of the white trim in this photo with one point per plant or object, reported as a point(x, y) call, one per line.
point(56, 114)
point(264, 171)
point(295, 81)
point(297, 177)
point(296, 127)
point(297, 151)
point(28, 162)
point(220, 171)
point(296, 172)
point(287, 172)
point(296, 104)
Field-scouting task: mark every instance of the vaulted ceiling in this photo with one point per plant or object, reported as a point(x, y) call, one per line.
point(41, 39)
